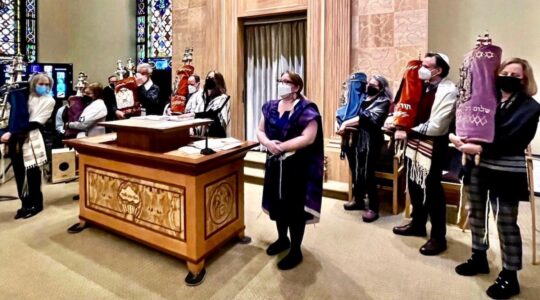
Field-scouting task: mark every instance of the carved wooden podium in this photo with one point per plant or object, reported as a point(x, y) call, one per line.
point(136, 183)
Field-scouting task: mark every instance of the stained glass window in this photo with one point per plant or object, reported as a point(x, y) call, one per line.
point(18, 33)
point(154, 32)
point(8, 35)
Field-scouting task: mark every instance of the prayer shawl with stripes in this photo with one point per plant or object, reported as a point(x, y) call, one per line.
point(420, 143)
point(40, 109)
point(475, 115)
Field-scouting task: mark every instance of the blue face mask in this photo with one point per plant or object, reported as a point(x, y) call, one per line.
point(42, 90)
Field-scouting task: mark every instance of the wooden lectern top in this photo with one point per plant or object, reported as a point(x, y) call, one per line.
point(154, 133)
point(156, 125)
point(106, 146)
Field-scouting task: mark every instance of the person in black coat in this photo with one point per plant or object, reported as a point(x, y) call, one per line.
point(109, 98)
point(367, 143)
point(501, 177)
point(148, 92)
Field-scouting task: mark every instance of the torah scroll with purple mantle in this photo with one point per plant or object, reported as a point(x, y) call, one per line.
point(475, 114)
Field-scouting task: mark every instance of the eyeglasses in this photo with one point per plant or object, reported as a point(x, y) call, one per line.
point(285, 81)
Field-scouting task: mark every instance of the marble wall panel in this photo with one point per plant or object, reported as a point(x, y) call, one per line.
point(410, 28)
point(369, 7)
point(376, 30)
point(386, 34)
point(401, 5)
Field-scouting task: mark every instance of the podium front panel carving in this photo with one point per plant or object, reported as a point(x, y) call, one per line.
point(220, 204)
point(154, 205)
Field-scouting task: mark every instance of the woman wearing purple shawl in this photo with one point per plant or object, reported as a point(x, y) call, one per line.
point(291, 130)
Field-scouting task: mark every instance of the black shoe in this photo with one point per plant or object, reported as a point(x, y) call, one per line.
point(505, 286)
point(477, 264)
point(32, 212)
point(353, 205)
point(77, 227)
point(410, 230)
point(278, 247)
point(433, 247)
point(21, 212)
point(76, 198)
point(293, 259)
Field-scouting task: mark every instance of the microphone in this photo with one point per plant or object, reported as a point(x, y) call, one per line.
point(206, 150)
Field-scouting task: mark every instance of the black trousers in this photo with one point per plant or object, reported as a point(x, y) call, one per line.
point(32, 197)
point(362, 165)
point(434, 205)
point(350, 151)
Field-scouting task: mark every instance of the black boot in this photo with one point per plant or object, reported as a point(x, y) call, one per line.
point(505, 286)
point(282, 242)
point(294, 257)
point(477, 264)
point(21, 212)
point(26, 207)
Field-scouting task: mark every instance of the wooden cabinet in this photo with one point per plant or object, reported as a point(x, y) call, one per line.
point(184, 205)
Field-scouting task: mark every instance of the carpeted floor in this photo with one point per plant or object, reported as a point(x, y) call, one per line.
point(343, 259)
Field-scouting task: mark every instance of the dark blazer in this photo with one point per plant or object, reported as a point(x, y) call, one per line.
point(150, 100)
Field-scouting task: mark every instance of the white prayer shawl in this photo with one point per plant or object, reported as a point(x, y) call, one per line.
point(196, 105)
point(442, 114)
point(33, 148)
point(443, 110)
point(94, 113)
point(195, 102)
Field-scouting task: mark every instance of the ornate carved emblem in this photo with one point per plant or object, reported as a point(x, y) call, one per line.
point(221, 204)
point(142, 202)
point(130, 200)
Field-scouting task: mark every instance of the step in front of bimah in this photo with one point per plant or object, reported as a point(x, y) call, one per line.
point(254, 173)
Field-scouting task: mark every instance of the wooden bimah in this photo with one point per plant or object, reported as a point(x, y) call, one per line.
point(137, 183)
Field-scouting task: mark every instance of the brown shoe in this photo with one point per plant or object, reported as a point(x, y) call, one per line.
point(410, 230)
point(433, 247)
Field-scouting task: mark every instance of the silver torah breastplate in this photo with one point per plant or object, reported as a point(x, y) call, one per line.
point(4, 114)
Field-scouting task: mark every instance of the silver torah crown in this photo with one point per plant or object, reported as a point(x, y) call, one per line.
point(120, 70)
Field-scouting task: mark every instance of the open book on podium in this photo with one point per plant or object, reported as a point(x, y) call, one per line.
point(216, 144)
point(154, 133)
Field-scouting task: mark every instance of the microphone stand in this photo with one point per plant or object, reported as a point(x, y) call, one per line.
point(206, 150)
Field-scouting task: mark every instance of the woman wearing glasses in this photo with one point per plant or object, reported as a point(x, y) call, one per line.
point(291, 130)
point(369, 122)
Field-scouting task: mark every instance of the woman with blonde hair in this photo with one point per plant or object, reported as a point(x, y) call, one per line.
point(27, 148)
point(501, 177)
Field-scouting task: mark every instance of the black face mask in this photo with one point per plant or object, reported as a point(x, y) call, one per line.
point(372, 91)
point(210, 84)
point(87, 99)
point(509, 84)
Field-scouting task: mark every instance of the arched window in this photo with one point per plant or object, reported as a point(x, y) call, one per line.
point(18, 28)
point(154, 32)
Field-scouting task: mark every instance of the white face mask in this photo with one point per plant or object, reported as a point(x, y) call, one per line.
point(284, 90)
point(424, 73)
point(191, 89)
